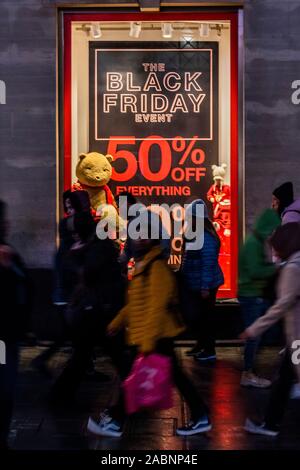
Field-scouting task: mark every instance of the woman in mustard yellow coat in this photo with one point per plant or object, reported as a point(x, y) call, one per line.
point(151, 325)
point(148, 316)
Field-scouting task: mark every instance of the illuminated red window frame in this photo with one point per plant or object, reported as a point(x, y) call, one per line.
point(67, 112)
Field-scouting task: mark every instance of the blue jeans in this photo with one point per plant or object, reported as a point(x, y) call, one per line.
point(252, 309)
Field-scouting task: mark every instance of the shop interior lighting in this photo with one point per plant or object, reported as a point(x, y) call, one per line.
point(96, 31)
point(204, 30)
point(135, 30)
point(93, 29)
point(167, 30)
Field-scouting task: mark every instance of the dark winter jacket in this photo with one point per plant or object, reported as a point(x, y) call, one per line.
point(16, 296)
point(200, 269)
point(100, 293)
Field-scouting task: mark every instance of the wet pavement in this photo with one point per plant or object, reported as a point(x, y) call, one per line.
point(37, 425)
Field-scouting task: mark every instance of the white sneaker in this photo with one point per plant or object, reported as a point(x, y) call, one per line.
point(195, 427)
point(251, 380)
point(253, 428)
point(106, 426)
point(295, 392)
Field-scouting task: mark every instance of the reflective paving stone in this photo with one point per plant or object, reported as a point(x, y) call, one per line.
point(36, 425)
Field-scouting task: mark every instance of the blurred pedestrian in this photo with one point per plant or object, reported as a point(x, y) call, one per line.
point(256, 272)
point(286, 243)
point(65, 271)
point(98, 296)
point(15, 307)
point(289, 210)
point(74, 203)
point(151, 326)
point(201, 277)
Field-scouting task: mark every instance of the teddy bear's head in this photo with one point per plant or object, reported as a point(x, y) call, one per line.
point(94, 169)
point(219, 172)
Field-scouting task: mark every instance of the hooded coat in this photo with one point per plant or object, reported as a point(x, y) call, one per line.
point(255, 271)
point(291, 213)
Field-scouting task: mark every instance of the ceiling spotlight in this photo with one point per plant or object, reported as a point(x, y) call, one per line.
point(96, 31)
point(167, 30)
point(135, 29)
point(204, 30)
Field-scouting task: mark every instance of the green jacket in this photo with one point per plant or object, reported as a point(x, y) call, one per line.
point(255, 270)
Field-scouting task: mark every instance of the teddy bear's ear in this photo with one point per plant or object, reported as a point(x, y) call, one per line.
point(214, 167)
point(224, 165)
point(82, 156)
point(110, 158)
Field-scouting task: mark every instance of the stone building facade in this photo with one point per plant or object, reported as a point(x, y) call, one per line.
point(28, 122)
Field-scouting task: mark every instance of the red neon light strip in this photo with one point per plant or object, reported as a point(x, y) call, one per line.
point(67, 102)
point(234, 155)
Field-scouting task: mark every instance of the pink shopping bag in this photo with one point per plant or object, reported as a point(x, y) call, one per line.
point(149, 384)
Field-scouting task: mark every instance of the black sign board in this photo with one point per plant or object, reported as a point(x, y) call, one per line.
point(154, 106)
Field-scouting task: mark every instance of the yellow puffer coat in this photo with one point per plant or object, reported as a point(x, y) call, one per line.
point(148, 314)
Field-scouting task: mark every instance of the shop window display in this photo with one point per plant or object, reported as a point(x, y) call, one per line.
point(162, 107)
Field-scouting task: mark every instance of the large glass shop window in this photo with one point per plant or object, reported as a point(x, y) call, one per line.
point(157, 97)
